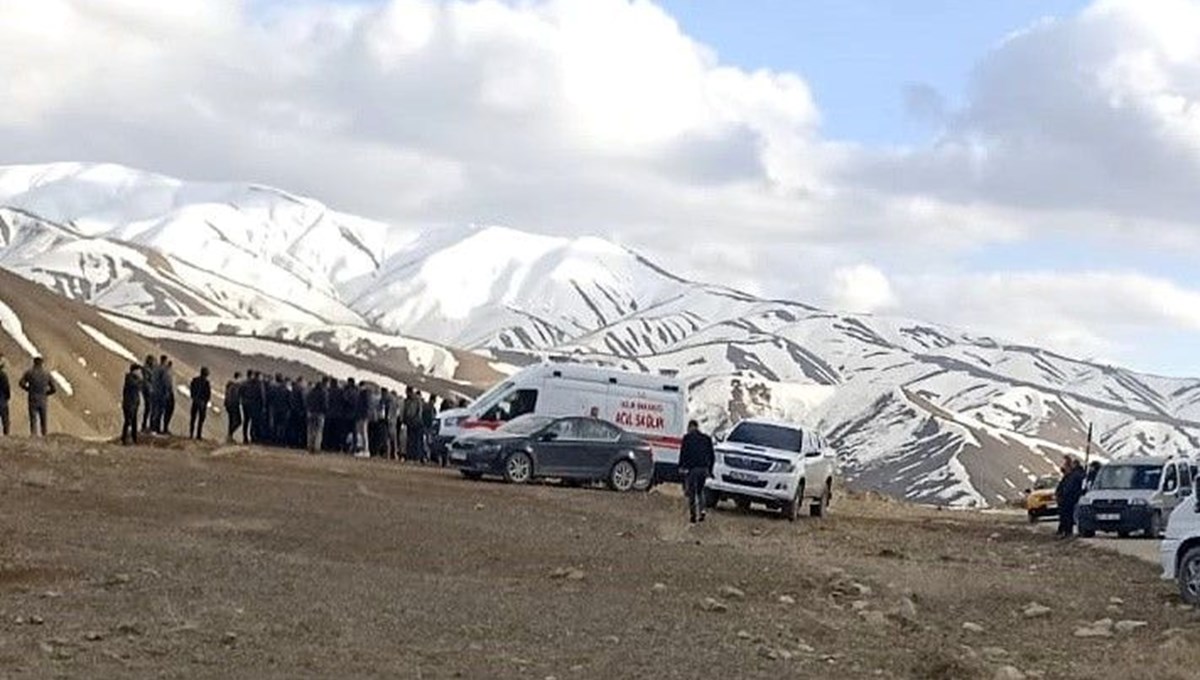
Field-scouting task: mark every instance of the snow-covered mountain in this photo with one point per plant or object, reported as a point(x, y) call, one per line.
point(916, 410)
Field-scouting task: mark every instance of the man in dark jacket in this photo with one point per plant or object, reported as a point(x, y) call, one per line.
point(252, 408)
point(201, 391)
point(131, 397)
point(297, 414)
point(279, 398)
point(414, 426)
point(39, 385)
point(428, 418)
point(696, 460)
point(1068, 493)
point(5, 397)
point(164, 389)
point(233, 407)
point(316, 403)
point(149, 374)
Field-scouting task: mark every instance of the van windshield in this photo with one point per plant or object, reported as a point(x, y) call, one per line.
point(1128, 477)
point(488, 399)
point(769, 436)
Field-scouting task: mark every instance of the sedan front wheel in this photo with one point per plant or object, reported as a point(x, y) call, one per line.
point(518, 468)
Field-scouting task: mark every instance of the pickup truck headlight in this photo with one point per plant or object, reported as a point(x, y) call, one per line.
point(783, 467)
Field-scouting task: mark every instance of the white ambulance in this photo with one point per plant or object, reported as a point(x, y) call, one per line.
point(651, 406)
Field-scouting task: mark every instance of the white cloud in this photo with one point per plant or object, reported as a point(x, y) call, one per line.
point(861, 288)
point(604, 117)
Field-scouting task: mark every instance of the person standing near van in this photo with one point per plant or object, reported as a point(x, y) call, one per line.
point(233, 406)
point(5, 397)
point(696, 460)
point(39, 385)
point(1068, 493)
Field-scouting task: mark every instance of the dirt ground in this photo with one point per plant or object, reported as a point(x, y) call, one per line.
point(195, 561)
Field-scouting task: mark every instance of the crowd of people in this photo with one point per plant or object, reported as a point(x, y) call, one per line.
point(355, 417)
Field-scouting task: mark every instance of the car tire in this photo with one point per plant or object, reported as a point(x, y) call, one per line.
point(1033, 518)
point(1155, 528)
point(711, 498)
point(622, 476)
point(473, 476)
point(1086, 531)
point(518, 468)
point(818, 508)
point(1188, 577)
point(742, 503)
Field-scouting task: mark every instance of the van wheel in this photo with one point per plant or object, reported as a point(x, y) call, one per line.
point(622, 476)
point(518, 468)
point(1189, 577)
point(818, 508)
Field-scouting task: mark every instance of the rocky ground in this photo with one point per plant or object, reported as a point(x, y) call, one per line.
point(198, 561)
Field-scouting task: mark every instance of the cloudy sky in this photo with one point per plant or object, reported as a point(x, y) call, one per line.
point(1024, 168)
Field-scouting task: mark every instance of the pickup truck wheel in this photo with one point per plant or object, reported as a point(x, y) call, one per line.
point(742, 503)
point(791, 509)
point(1189, 577)
point(518, 468)
point(818, 508)
point(711, 498)
point(1154, 528)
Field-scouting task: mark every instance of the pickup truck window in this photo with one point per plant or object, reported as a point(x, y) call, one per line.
point(769, 436)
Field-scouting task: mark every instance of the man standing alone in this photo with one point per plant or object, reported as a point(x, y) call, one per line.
point(38, 383)
point(696, 459)
point(1068, 493)
point(201, 391)
point(131, 397)
point(5, 396)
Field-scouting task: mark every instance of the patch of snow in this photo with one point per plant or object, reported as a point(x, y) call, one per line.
point(11, 324)
point(64, 385)
point(108, 343)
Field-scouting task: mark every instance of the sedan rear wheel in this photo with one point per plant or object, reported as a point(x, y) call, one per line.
point(622, 477)
point(518, 468)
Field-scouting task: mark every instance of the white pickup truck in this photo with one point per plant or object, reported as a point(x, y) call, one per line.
point(780, 465)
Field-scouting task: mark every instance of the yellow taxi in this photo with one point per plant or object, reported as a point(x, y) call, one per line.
point(1040, 501)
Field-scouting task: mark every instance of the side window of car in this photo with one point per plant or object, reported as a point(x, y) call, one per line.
point(565, 429)
point(595, 430)
point(1171, 480)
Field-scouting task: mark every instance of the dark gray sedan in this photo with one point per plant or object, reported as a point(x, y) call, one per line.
point(570, 449)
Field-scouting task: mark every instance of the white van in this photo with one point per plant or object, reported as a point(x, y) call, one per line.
point(1180, 548)
point(653, 407)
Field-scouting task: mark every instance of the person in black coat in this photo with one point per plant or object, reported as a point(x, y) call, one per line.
point(1068, 493)
point(696, 460)
point(131, 398)
point(253, 405)
point(201, 391)
point(5, 397)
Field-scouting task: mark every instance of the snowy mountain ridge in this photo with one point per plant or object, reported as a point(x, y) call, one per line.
point(915, 409)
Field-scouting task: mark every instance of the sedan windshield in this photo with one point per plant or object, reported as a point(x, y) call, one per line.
point(526, 424)
point(1128, 477)
point(769, 436)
